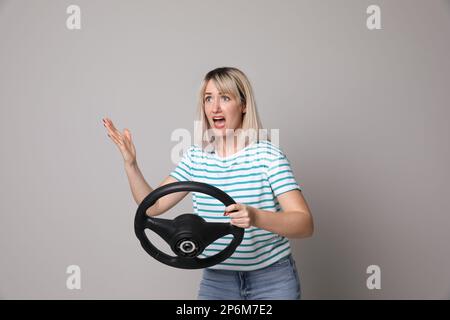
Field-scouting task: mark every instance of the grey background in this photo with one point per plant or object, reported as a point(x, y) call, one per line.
point(363, 118)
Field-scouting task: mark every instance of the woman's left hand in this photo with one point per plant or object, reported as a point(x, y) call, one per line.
point(243, 215)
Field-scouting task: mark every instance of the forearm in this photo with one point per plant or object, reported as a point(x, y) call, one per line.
point(139, 187)
point(290, 224)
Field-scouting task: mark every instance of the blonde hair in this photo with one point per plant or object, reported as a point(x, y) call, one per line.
point(231, 81)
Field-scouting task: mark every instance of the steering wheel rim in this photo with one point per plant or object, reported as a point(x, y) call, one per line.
point(187, 234)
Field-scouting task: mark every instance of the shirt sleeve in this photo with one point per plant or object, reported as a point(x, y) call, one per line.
point(280, 175)
point(182, 171)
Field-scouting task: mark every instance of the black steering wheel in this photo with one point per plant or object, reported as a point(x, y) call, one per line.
point(188, 234)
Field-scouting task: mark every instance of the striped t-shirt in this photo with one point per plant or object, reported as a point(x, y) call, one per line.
point(254, 176)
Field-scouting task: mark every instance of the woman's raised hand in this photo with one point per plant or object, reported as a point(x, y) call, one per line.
point(122, 140)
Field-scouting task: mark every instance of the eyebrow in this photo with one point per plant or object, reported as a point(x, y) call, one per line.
point(211, 93)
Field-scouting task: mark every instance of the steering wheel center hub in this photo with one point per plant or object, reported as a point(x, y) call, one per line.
point(187, 247)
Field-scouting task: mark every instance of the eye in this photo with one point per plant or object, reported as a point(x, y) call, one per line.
point(207, 98)
point(226, 98)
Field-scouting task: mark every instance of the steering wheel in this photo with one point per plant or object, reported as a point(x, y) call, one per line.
point(188, 234)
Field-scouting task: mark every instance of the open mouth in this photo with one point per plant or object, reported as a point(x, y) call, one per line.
point(219, 122)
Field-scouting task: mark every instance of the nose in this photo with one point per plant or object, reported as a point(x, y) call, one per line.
point(216, 105)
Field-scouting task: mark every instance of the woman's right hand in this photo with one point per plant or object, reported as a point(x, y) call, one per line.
point(122, 140)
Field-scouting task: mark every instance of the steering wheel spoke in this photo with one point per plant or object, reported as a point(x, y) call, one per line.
point(165, 228)
point(211, 231)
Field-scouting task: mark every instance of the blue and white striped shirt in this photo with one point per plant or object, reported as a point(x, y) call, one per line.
point(254, 176)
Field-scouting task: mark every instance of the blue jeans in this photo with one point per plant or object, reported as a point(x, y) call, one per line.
point(277, 281)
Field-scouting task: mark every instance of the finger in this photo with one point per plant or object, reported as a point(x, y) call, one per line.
point(115, 140)
point(240, 225)
point(115, 136)
point(127, 140)
point(240, 220)
point(232, 207)
point(113, 127)
point(113, 133)
point(110, 125)
point(108, 121)
point(127, 134)
point(235, 214)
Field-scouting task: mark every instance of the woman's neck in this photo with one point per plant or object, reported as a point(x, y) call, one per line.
point(227, 146)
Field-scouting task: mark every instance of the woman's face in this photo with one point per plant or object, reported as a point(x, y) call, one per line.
point(222, 110)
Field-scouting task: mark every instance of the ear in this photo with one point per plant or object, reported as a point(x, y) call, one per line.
point(244, 109)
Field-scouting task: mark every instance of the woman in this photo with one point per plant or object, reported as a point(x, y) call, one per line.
point(233, 156)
